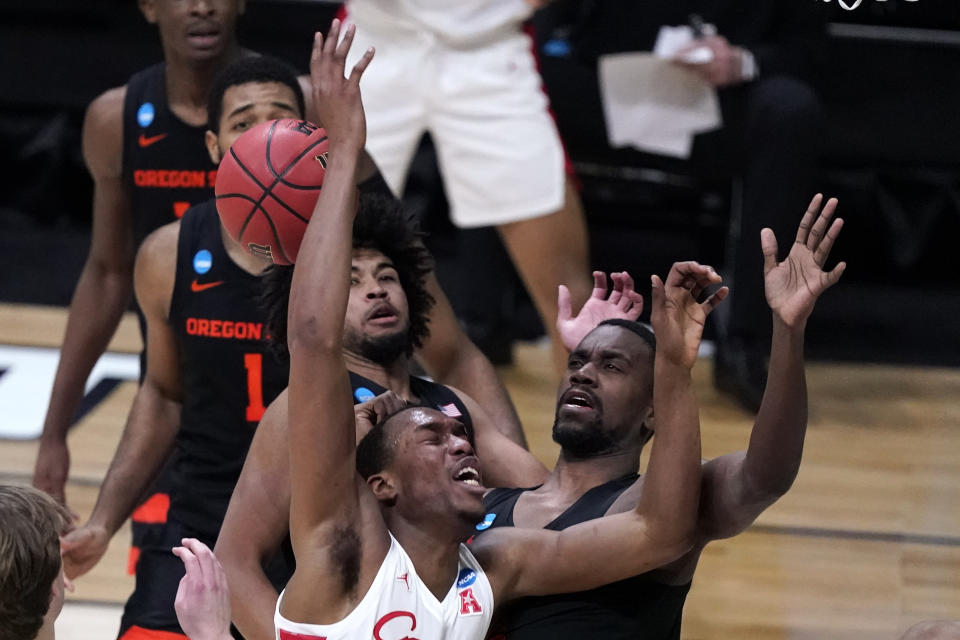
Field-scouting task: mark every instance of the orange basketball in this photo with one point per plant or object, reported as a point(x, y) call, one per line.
point(268, 184)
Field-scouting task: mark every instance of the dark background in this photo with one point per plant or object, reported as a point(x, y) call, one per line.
point(891, 91)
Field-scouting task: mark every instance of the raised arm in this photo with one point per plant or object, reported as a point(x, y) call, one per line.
point(103, 290)
point(450, 357)
point(256, 523)
point(332, 519)
point(154, 419)
point(737, 487)
point(535, 562)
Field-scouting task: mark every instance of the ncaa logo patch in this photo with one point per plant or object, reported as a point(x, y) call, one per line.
point(362, 394)
point(466, 578)
point(145, 114)
point(202, 261)
point(487, 522)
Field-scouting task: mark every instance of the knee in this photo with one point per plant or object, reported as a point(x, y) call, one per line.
point(784, 104)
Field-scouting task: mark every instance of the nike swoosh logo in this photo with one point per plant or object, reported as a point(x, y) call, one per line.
point(144, 141)
point(197, 287)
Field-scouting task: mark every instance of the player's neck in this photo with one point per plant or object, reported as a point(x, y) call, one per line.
point(394, 376)
point(435, 554)
point(46, 631)
point(574, 476)
point(241, 257)
point(188, 83)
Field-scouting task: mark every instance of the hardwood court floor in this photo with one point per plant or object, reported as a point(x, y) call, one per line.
point(866, 543)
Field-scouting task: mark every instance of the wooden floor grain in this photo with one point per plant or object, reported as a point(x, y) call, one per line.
point(866, 543)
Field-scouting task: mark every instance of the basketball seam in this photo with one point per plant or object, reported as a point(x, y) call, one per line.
point(257, 207)
point(268, 191)
point(292, 163)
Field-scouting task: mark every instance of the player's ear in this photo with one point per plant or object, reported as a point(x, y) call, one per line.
point(149, 10)
point(649, 425)
point(383, 489)
point(213, 146)
point(241, 7)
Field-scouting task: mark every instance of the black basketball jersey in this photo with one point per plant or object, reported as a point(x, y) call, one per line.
point(165, 162)
point(228, 374)
point(430, 394)
point(639, 607)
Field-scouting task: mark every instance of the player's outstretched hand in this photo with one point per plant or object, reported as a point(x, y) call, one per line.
point(676, 316)
point(82, 549)
point(793, 286)
point(203, 598)
point(623, 302)
point(335, 97)
point(374, 410)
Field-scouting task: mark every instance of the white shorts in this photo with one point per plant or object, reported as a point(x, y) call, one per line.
point(497, 145)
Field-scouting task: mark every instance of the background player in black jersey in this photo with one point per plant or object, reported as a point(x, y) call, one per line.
point(210, 373)
point(595, 474)
point(144, 146)
point(154, 124)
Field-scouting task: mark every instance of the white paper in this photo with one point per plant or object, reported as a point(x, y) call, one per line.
point(653, 105)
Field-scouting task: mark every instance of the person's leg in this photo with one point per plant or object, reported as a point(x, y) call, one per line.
point(549, 251)
point(781, 122)
point(503, 166)
point(149, 613)
point(393, 100)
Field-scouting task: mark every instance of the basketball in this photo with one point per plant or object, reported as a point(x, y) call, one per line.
point(268, 184)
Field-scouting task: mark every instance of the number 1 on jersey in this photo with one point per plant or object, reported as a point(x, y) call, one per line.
point(254, 364)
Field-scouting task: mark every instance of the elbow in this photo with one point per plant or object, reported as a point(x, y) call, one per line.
point(769, 488)
point(307, 334)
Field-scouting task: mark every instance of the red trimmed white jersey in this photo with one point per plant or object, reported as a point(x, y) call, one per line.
point(398, 606)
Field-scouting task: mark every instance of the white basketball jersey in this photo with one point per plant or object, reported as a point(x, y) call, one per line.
point(398, 606)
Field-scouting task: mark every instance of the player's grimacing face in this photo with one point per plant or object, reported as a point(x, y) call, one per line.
point(244, 106)
point(604, 396)
point(195, 29)
point(436, 466)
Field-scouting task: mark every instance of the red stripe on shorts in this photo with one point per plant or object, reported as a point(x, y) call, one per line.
point(567, 162)
point(139, 633)
point(153, 511)
point(132, 559)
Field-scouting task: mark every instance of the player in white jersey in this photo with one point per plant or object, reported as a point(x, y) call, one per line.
point(378, 528)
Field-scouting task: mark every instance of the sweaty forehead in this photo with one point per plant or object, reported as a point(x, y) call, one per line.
point(614, 338)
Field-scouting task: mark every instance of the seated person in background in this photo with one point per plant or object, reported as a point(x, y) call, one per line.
point(766, 56)
point(31, 572)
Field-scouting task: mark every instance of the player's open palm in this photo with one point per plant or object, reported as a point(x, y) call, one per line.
point(677, 316)
point(623, 303)
point(793, 286)
point(82, 548)
point(335, 97)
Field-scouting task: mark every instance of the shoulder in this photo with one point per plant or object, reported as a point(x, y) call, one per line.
point(103, 132)
point(156, 265)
